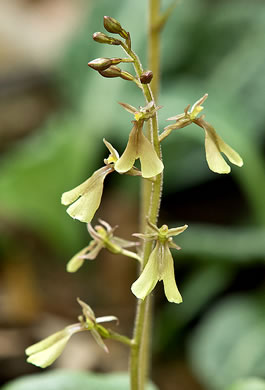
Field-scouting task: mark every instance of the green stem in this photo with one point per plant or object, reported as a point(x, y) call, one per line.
point(118, 337)
point(133, 255)
point(150, 203)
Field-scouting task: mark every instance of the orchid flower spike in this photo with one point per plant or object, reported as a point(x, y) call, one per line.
point(139, 147)
point(160, 264)
point(103, 237)
point(214, 144)
point(45, 352)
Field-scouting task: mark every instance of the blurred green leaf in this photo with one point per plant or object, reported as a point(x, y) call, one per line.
point(205, 283)
point(226, 243)
point(248, 384)
point(67, 380)
point(229, 342)
point(34, 175)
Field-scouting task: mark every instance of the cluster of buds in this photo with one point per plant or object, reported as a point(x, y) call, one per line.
point(107, 67)
point(214, 144)
point(45, 352)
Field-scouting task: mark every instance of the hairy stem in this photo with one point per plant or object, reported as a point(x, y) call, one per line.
point(150, 203)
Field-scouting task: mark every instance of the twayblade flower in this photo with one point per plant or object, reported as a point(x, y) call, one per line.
point(138, 145)
point(214, 144)
point(45, 352)
point(160, 264)
point(85, 198)
point(103, 237)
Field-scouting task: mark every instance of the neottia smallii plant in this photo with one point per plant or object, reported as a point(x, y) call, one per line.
point(152, 245)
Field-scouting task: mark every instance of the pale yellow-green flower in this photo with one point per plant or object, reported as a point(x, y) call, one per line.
point(103, 237)
point(84, 200)
point(160, 266)
point(214, 144)
point(45, 352)
point(139, 147)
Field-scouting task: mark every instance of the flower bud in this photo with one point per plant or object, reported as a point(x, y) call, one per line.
point(103, 38)
point(103, 63)
point(146, 77)
point(113, 26)
point(112, 71)
point(100, 63)
point(126, 76)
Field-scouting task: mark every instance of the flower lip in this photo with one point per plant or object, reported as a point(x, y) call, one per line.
point(160, 264)
point(214, 146)
point(139, 146)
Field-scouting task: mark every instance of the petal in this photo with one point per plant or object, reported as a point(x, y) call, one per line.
point(99, 320)
point(107, 226)
point(171, 244)
point(214, 158)
point(177, 117)
point(230, 153)
point(128, 107)
point(152, 226)
point(177, 230)
point(171, 291)
point(149, 277)
point(46, 357)
point(113, 152)
point(123, 243)
point(77, 261)
point(96, 237)
point(151, 165)
point(46, 343)
point(45, 352)
point(215, 145)
point(146, 237)
point(197, 108)
point(90, 193)
point(87, 311)
point(126, 161)
point(94, 252)
point(99, 340)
